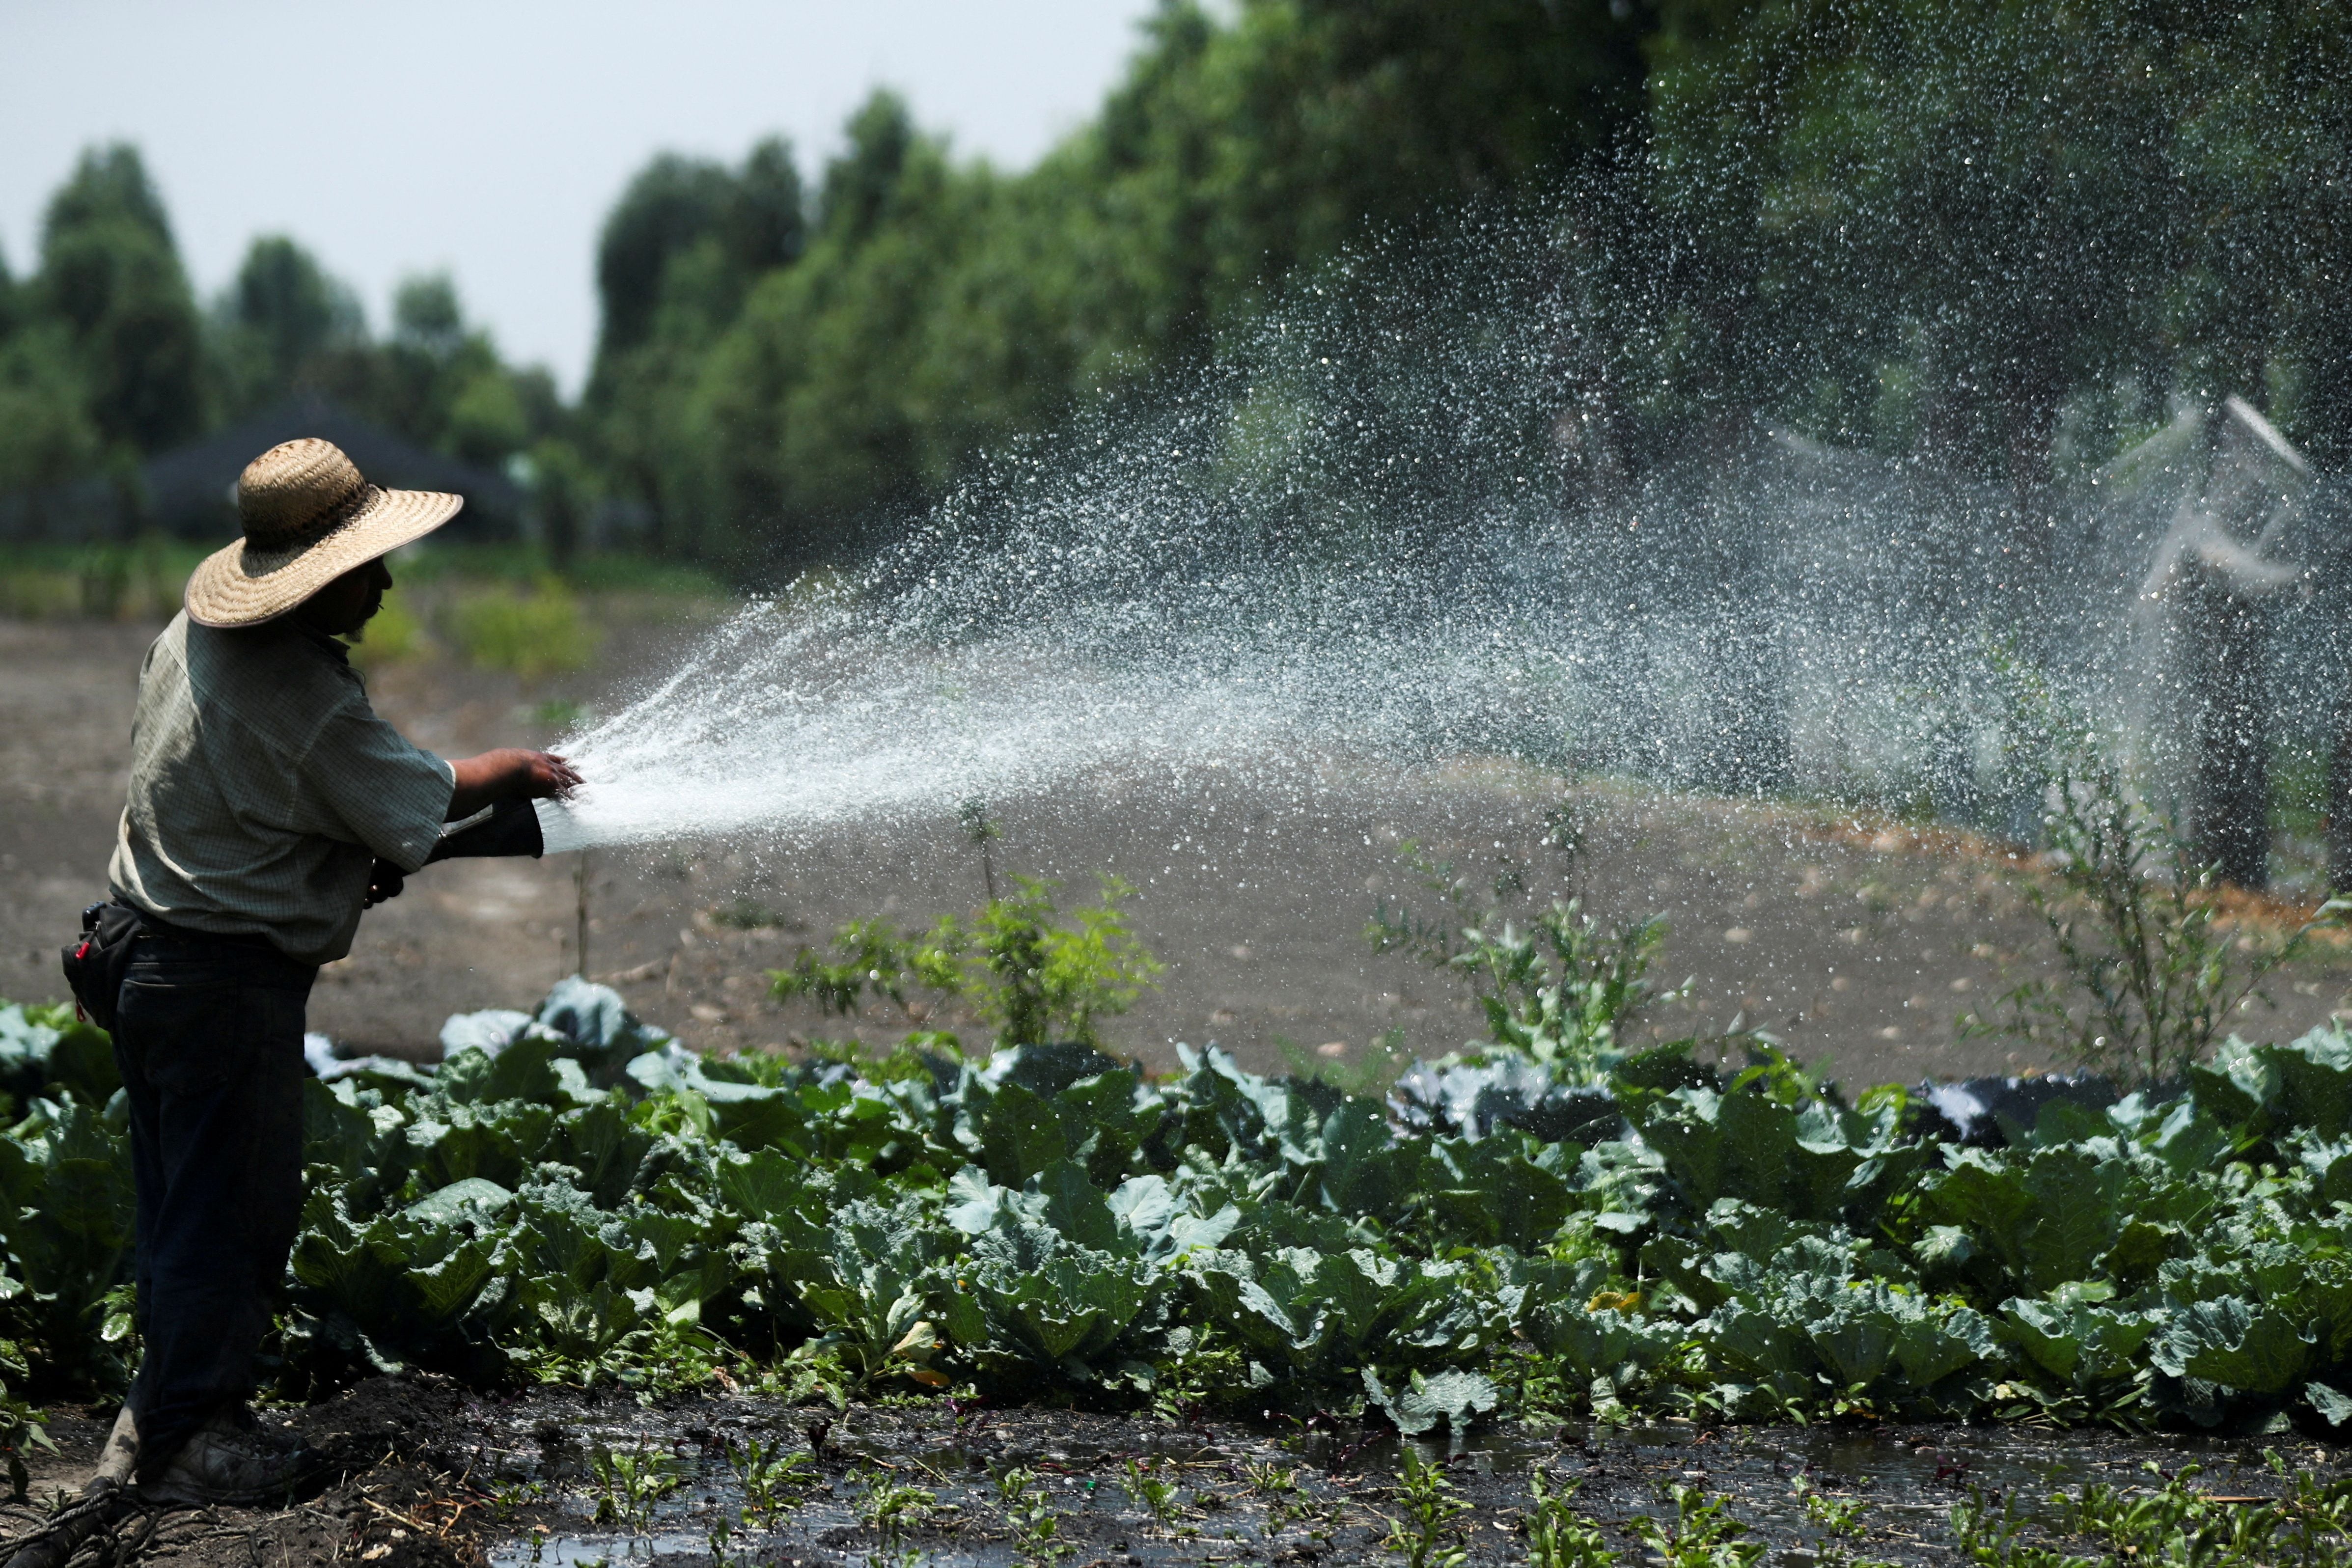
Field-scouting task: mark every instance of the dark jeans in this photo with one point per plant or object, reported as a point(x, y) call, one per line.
point(209, 1039)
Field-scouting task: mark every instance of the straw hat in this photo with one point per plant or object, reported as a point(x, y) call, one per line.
point(308, 518)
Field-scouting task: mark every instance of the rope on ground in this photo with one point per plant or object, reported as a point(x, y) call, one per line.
point(54, 1543)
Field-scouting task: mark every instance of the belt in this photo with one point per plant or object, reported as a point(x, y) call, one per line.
point(156, 925)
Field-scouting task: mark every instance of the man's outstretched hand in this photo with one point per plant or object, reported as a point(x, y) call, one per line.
point(509, 773)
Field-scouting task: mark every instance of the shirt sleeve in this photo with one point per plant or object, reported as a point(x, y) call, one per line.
point(393, 796)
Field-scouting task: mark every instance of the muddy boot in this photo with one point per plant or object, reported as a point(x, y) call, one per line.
point(100, 1505)
point(233, 1458)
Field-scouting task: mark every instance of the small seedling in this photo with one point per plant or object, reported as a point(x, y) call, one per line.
point(1152, 1491)
point(1426, 1531)
point(1559, 1537)
point(1036, 1524)
point(890, 1511)
point(1270, 1480)
point(506, 1497)
point(1286, 1500)
point(1840, 1517)
point(629, 1484)
point(1703, 1534)
point(774, 1480)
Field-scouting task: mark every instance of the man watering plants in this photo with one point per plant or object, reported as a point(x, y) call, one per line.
point(269, 805)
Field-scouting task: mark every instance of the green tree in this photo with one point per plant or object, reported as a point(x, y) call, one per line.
point(426, 319)
point(439, 380)
point(807, 412)
point(670, 205)
point(2263, 134)
point(861, 187)
point(111, 273)
point(765, 220)
point(47, 436)
point(687, 244)
point(1978, 204)
point(277, 318)
point(562, 491)
point(943, 307)
point(691, 228)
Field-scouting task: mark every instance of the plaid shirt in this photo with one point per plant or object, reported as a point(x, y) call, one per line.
point(263, 786)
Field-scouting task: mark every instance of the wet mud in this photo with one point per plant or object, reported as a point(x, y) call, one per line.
point(426, 1473)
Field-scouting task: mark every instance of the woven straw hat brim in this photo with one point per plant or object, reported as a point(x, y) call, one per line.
point(244, 586)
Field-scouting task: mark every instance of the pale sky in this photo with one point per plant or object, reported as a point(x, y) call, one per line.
point(489, 138)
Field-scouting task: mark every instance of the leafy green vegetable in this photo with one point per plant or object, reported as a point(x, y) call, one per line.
point(1046, 1222)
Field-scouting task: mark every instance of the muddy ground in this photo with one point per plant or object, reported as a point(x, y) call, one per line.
point(1858, 941)
point(426, 1474)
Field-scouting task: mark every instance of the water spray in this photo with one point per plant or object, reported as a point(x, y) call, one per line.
point(1350, 543)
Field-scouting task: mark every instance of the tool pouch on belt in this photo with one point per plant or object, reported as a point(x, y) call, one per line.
point(95, 966)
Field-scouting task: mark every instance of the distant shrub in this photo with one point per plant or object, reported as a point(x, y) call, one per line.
point(140, 581)
point(541, 633)
point(396, 632)
point(1032, 977)
point(38, 593)
point(2150, 974)
point(1560, 987)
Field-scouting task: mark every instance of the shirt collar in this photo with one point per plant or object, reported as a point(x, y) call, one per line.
point(318, 639)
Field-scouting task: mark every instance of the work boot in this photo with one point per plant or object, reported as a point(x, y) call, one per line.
point(233, 1458)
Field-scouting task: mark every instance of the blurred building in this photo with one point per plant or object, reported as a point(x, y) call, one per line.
point(190, 492)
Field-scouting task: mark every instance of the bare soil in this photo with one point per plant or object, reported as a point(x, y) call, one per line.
point(426, 1474)
point(1856, 940)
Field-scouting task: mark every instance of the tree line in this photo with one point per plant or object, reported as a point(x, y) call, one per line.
point(106, 356)
point(1993, 236)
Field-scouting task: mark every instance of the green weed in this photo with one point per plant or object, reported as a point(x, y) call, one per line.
point(395, 632)
point(1838, 1515)
point(1370, 1072)
point(629, 1482)
point(1286, 1500)
point(890, 1511)
point(1013, 963)
point(1035, 1523)
point(2176, 1523)
point(561, 714)
point(748, 913)
point(773, 1478)
point(1152, 1490)
point(1701, 1534)
point(1559, 988)
point(1558, 1536)
point(1427, 1528)
point(509, 1497)
point(2151, 977)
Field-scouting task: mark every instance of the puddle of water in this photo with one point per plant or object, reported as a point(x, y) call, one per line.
point(584, 1551)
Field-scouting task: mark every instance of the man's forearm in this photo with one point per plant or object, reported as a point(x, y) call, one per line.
point(509, 773)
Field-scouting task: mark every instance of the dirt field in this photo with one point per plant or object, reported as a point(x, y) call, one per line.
point(1856, 943)
point(427, 1475)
